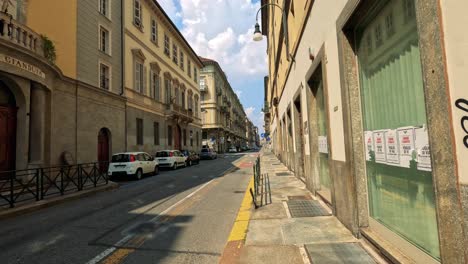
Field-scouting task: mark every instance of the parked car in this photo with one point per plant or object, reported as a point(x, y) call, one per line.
point(191, 157)
point(132, 163)
point(170, 159)
point(232, 149)
point(207, 153)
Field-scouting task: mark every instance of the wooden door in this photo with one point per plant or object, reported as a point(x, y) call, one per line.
point(103, 150)
point(7, 138)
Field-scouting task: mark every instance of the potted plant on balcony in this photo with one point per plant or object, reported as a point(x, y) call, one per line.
point(49, 49)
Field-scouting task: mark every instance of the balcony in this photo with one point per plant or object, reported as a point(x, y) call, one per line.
point(178, 113)
point(20, 35)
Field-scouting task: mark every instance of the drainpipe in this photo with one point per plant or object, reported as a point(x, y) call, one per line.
point(122, 66)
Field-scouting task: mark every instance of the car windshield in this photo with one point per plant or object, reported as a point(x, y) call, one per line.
point(121, 158)
point(162, 154)
point(205, 150)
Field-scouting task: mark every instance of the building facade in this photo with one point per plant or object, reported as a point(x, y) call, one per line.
point(223, 115)
point(368, 108)
point(50, 107)
point(161, 82)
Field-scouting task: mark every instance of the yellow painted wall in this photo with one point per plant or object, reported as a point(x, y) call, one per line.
point(57, 19)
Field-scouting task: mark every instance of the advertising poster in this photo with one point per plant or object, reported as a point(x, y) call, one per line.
point(379, 144)
point(369, 144)
point(391, 148)
point(423, 149)
point(406, 145)
point(323, 144)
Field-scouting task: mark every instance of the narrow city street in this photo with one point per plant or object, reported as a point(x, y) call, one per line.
point(181, 216)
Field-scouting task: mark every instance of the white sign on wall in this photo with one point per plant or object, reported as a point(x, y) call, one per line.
point(423, 149)
point(391, 147)
point(369, 143)
point(379, 144)
point(22, 65)
point(406, 145)
point(323, 144)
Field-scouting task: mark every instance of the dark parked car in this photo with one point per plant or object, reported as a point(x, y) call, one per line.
point(192, 157)
point(207, 153)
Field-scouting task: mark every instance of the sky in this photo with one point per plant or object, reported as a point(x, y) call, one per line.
point(222, 30)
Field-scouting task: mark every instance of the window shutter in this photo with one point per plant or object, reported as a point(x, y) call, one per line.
point(144, 81)
point(151, 84)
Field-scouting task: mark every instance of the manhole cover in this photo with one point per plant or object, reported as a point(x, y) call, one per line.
point(306, 208)
point(300, 197)
point(334, 253)
point(283, 174)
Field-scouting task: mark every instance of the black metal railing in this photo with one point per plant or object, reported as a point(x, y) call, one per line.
point(23, 186)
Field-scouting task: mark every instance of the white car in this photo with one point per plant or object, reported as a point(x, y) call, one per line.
point(171, 159)
point(232, 150)
point(133, 163)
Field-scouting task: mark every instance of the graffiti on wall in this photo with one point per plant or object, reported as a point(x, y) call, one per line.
point(462, 104)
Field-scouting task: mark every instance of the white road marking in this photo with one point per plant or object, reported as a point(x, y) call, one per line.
point(109, 251)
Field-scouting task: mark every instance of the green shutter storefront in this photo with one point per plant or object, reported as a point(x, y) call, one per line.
point(400, 187)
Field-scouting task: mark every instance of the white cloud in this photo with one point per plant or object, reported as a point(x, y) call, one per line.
point(170, 8)
point(249, 111)
point(238, 92)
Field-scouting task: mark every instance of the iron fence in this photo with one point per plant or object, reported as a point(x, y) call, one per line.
point(22, 186)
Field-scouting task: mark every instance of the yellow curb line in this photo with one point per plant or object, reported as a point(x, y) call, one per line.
point(239, 230)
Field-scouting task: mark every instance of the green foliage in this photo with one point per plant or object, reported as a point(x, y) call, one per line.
point(49, 49)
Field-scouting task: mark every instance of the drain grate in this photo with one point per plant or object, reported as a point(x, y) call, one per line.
point(306, 208)
point(283, 174)
point(300, 197)
point(334, 253)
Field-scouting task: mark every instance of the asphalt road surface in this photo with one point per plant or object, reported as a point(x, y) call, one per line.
point(182, 216)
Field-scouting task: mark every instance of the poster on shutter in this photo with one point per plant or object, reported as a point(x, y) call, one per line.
point(405, 137)
point(379, 144)
point(391, 148)
point(323, 144)
point(369, 144)
point(421, 142)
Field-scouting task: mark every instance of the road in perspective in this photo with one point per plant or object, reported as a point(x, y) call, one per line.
point(178, 216)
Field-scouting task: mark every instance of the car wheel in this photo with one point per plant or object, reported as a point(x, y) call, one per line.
point(156, 170)
point(174, 167)
point(139, 174)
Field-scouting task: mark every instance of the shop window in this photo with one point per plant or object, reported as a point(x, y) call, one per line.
point(399, 173)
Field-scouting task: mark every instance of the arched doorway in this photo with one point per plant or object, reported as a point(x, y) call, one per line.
point(177, 137)
point(103, 149)
point(7, 128)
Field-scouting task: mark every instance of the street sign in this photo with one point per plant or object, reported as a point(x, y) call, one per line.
point(262, 135)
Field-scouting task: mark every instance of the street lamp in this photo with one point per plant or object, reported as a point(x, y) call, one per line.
point(258, 34)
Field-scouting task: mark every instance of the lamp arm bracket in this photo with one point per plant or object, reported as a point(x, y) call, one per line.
point(269, 4)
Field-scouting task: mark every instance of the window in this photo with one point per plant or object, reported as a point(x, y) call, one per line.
point(190, 103)
point(177, 96)
point(155, 86)
point(195, 74)
point(167, 90)
point(139, 134)
point(182, 60)
point(196, 107)
point(156, 133)
point(189, 68)
point(191, 138)
point(378, 35)
point(409, 10)
point(389, 25)
point(154, 31)
point(169, 135)
point(185, 137)
point(167, 43)
point(104, 7)
point(182, 100)
point(174, 54)
point(137, 15)
point(139, 77)
point(104, 40)
point(104, 73)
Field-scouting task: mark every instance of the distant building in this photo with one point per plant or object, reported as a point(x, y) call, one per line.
point(223, 116)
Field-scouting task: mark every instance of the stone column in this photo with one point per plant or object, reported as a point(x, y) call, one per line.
point(37, 116)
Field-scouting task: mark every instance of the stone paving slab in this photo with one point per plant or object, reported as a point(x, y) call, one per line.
point(275, 254)
point(271, 211)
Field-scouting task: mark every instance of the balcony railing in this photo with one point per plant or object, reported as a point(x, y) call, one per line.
point(18, 34)
point(177, 111)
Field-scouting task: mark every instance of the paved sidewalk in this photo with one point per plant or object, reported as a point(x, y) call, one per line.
point(296, 227)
